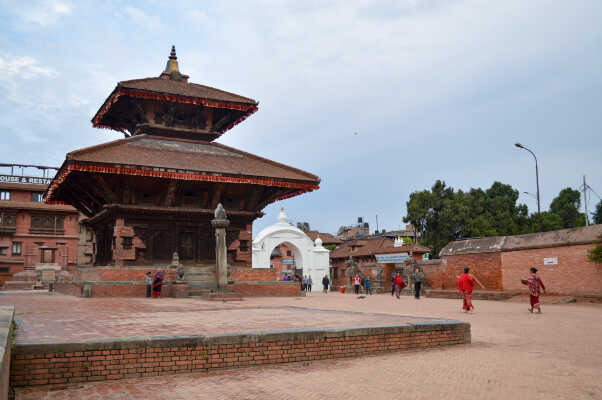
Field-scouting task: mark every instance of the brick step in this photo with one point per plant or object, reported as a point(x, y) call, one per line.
point(476, 295)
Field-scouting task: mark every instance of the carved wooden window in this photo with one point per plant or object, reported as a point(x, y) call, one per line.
point(8, 222)
point(127, 243)
point(4, 270)
point(3, 251)
point(4, 195)
point(244, 245)
point(47, 224)
point(16, 248)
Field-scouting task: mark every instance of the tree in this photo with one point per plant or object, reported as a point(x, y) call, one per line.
point(430, 213)
point(304, 226)
point(595, 254)
point(549, 222)
point(442, 215)
point(566, 206)
point(598, 213)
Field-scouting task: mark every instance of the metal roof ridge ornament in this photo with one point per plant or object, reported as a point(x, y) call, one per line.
point(172, 69)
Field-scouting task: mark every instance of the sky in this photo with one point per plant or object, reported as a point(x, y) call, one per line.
point(377, 98)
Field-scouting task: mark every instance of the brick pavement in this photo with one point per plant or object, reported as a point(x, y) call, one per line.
point(41, 318)
point(514, 354)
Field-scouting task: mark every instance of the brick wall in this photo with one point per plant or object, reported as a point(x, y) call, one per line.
point(58, 364)
point(6, 325)
point(123, 274)
point(270, 289)
point(573, 275)
point(253, 274)
point(486, 267)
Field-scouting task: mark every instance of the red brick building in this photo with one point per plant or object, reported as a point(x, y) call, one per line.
point(376, 256)
point(361, 229)
point(32, 232)
point(500, 262)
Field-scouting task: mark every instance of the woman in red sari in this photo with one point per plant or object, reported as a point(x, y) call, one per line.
point(398, 283)
point(466, 283)
point(536, 286)
point(157, 284)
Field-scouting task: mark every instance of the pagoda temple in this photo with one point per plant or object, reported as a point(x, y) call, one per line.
point(154, 192)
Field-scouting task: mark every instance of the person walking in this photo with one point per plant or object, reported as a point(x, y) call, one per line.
point(157, 284)
point(536, 286)
point(466, 283)
point(356, 283)
point(149, 284)
point(304, 283)
point(398, 284)
point(368, 285)
point(309, 283)
point(418, 277)
point(325, 284)
point(392, 285)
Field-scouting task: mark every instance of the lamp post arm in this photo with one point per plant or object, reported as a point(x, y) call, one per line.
point(537, 183)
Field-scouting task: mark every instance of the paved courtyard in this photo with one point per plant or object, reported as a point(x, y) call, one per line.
point(514, 354)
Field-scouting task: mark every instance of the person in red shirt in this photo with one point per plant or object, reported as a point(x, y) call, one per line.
point(356, 284)
point(398, 283)
point(535, 288)
point(466, 283)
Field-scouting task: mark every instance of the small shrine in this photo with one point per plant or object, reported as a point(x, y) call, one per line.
point(153, 193)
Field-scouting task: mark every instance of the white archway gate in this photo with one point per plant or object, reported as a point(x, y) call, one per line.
point(310, 255)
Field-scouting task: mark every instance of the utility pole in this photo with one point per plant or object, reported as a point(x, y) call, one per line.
point(585, 201)
point(376, 222)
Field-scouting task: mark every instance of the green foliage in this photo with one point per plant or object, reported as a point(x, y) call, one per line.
point(441, 214)
point(595, 254)
point(330, 247)
point(549, 222)
point(598, 213)
point(407, 239)
point(566, 205)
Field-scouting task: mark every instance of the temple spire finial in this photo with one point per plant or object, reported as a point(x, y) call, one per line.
point(172, 70)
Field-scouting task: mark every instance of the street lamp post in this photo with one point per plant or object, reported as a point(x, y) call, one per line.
point(536, 181)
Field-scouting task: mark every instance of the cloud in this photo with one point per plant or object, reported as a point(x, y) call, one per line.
point(24, 67)
point(45, 13)
point(150, 22)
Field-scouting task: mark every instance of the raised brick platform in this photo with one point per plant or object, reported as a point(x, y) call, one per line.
point(98, 360)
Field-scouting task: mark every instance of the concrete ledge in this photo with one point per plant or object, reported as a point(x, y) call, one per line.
point(93, 360)
point(6, 325)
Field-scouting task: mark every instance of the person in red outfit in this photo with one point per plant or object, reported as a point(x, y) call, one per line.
point(466, 283)
point(398, 283)
point(535, 287)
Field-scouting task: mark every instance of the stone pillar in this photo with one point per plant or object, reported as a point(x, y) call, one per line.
point(220, 223)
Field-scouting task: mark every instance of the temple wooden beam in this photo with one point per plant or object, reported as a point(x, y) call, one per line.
point(109, 193)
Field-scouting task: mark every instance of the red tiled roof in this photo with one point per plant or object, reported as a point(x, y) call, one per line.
point(372, 246)
point(187, 155)
point(327, 238)
point(32, 205)
point(182, 88)
point(31, 187)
